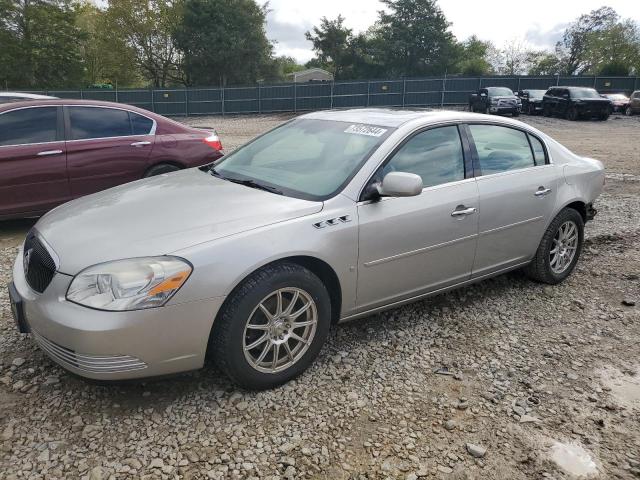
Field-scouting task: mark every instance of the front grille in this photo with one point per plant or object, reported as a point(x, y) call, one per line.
point(88, 363)
point(503, 102)
point(39, 266)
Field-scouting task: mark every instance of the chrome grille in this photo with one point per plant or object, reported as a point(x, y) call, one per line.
point(88, 363)
point(39, 266)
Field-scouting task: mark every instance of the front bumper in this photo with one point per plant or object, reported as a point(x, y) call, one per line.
point(500, 109)
point(115, 345)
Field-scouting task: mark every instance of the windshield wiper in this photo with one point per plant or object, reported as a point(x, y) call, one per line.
point(246, 183)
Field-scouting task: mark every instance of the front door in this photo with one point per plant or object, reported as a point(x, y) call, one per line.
point(103, 150)
point(517, 189)
point(33, 162)
point(412, 245)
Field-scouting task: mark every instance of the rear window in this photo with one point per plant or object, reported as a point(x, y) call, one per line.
point(97, 122)
point(29, 125)
point(140, 125)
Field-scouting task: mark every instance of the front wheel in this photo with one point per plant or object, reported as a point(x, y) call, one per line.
point(272, 326)
point(572, 114)
point(559, 248)
point(603, 117)
point(546, 110)
point(628, 111)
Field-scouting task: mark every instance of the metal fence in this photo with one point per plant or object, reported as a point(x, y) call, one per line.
point(297, 97)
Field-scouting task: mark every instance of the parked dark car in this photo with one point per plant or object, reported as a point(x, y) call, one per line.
point(619, 102)
point(575, 102)
point(498, 100)
point(52, 151)
point(634, 104)
point(531, 101)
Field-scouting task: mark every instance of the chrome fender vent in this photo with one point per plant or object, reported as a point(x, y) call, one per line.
point(332, 222)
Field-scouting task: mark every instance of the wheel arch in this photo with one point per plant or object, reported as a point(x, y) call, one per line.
point(157, 163)
point(320, 268)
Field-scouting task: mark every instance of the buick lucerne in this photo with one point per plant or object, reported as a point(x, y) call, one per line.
point(329, 217)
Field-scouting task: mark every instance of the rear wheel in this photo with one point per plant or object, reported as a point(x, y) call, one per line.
point(603, 116)
point(160, 169)
point(559, 248)
point(546, 110)
point(272, 327)
point(628, 111)
point(572, 114)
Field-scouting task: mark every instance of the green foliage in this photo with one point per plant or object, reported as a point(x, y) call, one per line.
point(614, 49)
point(40, 44)
point(416, 40)
point(332, 43)
point(224, 42)
point(544, 63)
point(474, 57)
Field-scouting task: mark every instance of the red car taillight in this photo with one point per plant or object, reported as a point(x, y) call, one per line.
point(213, 141)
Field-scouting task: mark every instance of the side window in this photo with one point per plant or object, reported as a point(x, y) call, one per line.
point(501, 149)
point(29, 125)
point(96, 122)
point(436, 155)
point(140, 125)
point(538, 151)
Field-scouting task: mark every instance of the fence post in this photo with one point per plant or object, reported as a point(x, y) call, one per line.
point(444, 86)
point(635, 83)
point(222, 96)
point(81, 95)
point(295, 97)
point(259, 99)
point(116, 91)
point(518, 83)
point(595, 81)
point(331, 95)
point(153, 102)
point(186, 102)
point(557, 79)
point(404, 89)
point(368, 89)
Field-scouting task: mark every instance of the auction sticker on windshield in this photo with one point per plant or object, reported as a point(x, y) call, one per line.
point(368, 130)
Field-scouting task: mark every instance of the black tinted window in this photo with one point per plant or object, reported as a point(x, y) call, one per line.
point(28, 125)
point(435, 155)
point(96, 122)
point(140, 125)
point(501, 149)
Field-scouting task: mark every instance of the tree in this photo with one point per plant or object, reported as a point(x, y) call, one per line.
point(147, 27)
point(475, 57)
point(224, 41)
point(106, 58)
point(331, 42)
point(574, 46)
point(415, 38)
point(40, 43)
point(614, 50)
point(544, 63)
point(515, 58)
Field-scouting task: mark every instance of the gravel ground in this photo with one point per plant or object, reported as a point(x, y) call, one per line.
point(505, 379)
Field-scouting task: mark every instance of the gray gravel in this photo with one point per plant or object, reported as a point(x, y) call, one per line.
point(479, 383)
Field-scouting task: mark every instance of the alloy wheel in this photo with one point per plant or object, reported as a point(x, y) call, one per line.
point(565, 245)
point(280, 330)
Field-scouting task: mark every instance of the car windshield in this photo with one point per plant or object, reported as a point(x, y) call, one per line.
point(500, 91)
point(304, 158)
point(536, 93)
point(584, 93)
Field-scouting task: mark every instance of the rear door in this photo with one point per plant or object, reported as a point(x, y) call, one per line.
point(106, 147)
point(517, 188)
point(33, 166)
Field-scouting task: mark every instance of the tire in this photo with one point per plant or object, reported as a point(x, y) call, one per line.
point(232, 330)
point(628, 111)
point(541, 268)
point(572, 114)
point(515, 113)
point(546, 111)
point(603, 117)
point(531, 110)
point(160, 169)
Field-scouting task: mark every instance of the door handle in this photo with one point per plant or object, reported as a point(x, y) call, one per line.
point(541, 192)
point(140, 144)
point(47, 153)
point(462, 211)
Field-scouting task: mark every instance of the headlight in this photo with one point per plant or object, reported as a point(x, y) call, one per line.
point(494, 100)
point(130, 284)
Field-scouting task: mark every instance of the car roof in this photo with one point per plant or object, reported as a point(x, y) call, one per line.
point(575, 88)
point(24, 95)
point(72, 102)
point(395, 117)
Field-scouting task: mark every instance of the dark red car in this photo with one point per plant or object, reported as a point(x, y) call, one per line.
point(52, 151)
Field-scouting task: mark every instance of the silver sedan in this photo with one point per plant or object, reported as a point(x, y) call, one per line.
point(330, 217)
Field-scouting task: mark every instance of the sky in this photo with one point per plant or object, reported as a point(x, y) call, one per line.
point(497, 20)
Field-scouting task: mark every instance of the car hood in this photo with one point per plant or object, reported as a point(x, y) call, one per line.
point(160, 215)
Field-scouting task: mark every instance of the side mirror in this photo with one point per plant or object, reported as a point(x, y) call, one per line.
point(400, 184)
